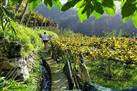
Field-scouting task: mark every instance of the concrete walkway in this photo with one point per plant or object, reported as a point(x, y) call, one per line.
point(59, 80)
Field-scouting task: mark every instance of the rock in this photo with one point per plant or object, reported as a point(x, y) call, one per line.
point(24, 70)
point(25, 65)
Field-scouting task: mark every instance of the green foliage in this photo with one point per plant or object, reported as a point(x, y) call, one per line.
point(35, 20)
point(134, 19)
point(27, 37)
point(109, 59)
point(129, 6)
point(30, 42)
point(111, 74)
point(86, 7)
point(98, 9)
point(120, 49)
point(69, 4)
point(49, 3)
point(34, 4)
point(5, 21)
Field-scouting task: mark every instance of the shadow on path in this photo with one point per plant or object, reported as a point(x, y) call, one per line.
point(59, 80)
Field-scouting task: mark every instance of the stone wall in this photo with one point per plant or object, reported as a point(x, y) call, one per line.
point(12, 64)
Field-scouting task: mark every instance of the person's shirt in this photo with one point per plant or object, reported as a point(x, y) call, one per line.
point(45, 37)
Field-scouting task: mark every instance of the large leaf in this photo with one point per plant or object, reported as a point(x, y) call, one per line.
point(34, 4)
point(134, 19)
point(48, 3)
point(128, 8)
point(108, 3)
point(82, 16)
point(69, 4)
point(88, 9)
point(97, 15)
point(80, 4)
point(57, 3)
point(110, 11)
point(98, 7)
point(98, 10)
point(108, 6)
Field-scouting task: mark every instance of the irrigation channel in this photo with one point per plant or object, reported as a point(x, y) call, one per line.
point(46, 76)
point(61, 77)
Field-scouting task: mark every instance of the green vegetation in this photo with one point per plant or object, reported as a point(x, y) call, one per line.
point(28, 38)
point(109, 73)
point(34, 19)
point(31, 43)
point(106, 48)
point(111, 61)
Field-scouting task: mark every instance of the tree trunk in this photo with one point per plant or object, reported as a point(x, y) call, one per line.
point(25, 11)
point(17, 7)
point(5, 3)
point(1, 3)
point(27, 23)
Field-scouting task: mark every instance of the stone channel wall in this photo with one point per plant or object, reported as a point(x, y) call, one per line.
point(12, 64)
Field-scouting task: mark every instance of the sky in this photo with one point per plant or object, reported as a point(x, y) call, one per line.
point(63, 1)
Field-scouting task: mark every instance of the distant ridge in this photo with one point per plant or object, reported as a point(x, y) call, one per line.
point(69, 19)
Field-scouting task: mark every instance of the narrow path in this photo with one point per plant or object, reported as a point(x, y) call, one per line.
point(59, 80)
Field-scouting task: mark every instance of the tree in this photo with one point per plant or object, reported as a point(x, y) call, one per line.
point(86, 8)
point(5, 3)
point(24, 11)
point(17, 7)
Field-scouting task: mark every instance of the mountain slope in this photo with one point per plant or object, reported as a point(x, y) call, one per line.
point(69, 19)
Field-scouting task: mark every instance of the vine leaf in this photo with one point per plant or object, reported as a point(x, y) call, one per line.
point(109, 7)
point(128, 8)
point(57, 3)
point(134, 19)
point(69, 4)
point(33, 4)
point(48, 3)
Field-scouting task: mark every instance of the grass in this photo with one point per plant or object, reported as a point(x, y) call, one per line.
point(29, 38)
point(112, 75)
point(116, 74)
